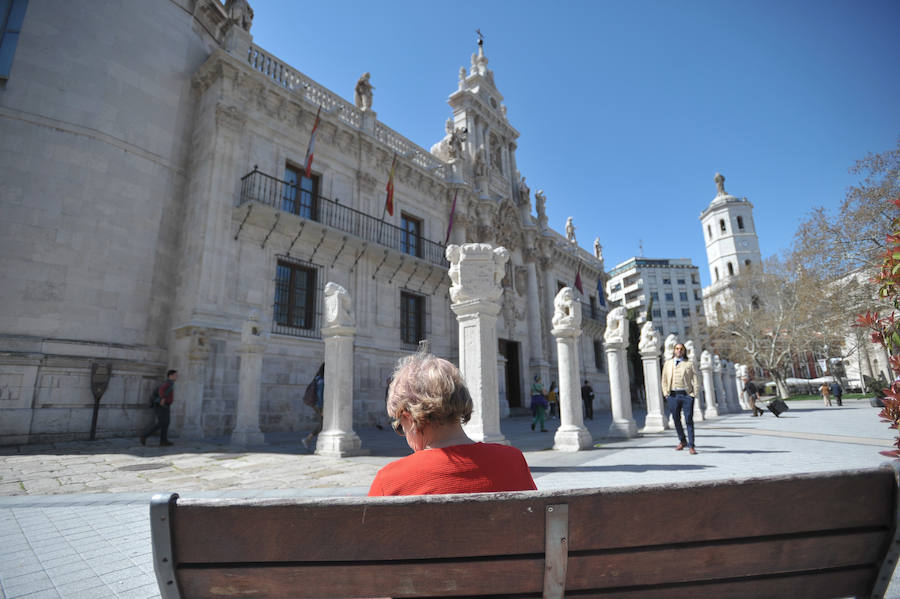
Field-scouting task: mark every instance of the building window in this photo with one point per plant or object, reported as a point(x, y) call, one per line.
point(598, 355)
point(670, 297)
point(593, 301)
point(709, 231)
point(717, 272)
point(697, 294)
point(670, 313)
point(740, 221)
point(687, 330)
point(12, 13)
point(722, 225)
point(412, 317)
point(747, 264)
point(654, 295)
point(299, 194)
point(616, 287)
point(411, 235)
point(657, 313)
point(295, 298)
point(667, 281)
point(680, 281)
point(694, 279)
point(559, 286)
point(730, 270)
point(682, 295)
point(686, 312)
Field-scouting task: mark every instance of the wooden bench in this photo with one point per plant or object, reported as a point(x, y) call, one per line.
point(815, 535)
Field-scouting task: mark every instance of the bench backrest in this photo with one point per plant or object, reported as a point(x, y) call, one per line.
point(824, 534)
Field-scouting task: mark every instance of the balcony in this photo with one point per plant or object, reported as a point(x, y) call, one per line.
point(592, 312)
point(257, 186)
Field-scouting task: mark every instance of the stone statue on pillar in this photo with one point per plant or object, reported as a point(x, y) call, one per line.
point(649, 347)
point(598, 249)
point(616, 340)
point(571, 434)
point(709, 387)
point(540, 205)
point(721, 399)
point(253, 344)
point(337, 438)
point(476, 270)
point(671, 342)
point(570, 231)
point(698, 401)
point(362, 93)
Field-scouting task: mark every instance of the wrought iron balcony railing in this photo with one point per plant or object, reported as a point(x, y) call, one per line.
point(257, 186)
point(593, 312)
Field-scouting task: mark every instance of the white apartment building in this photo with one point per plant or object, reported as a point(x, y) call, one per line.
point(673, 285)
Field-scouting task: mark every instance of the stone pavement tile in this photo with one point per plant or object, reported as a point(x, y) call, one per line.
point(70, 588)
point(148, 591)
point(24, 584)
point(126, 578)
point(44, 594)
point(107, 563)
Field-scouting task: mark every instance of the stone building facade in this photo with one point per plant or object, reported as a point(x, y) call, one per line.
point(154, 195)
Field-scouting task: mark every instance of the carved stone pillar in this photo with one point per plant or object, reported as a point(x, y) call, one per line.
point(476, 270)
point(709, 391)
point(550, 293)
point(502, 391)
point(571, 434)
point(191, 383)
point(616, 341)
point(699, 394)
point(739, 386)
point(337, 438)
point(536, 362)
point(721, 399)
point(649, 348)
point(730, 390)
point(253, 345)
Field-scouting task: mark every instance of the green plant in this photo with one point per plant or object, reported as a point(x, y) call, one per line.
point(885, 330)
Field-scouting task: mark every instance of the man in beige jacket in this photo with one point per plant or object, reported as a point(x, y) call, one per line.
point(678, 385)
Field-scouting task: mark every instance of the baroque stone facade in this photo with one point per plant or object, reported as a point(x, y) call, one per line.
point(154, 195)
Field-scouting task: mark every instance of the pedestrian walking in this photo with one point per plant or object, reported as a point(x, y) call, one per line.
point(161, 402)
point(838, 392)
point(319, 380)
point(538, 404)
point(553, 400)
point(752, 392)
point(587, 397)
point(825, 390)
point(678, 384)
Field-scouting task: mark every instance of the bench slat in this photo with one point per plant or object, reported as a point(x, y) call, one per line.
point(693, 564)
point(513, 524)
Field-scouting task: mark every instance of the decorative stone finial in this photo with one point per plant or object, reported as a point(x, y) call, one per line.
point(338, 307)
point(616, 327)
point(705, 360)
point(566, 310)
point(476, 270)
point(720, 184)
point(649, 343)
point(691, 353)
point(671, 340)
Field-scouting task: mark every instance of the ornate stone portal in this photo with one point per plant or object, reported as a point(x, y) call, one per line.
point(337, 438)
point(476, 270)
point(649, 349)
point(253, 344)
point(616, 340)
point(571, 434)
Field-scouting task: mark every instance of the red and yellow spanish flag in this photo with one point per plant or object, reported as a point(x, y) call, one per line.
point(389, 200)
point(312, 143)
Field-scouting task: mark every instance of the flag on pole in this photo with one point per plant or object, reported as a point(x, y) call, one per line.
point(578, 281)
point(312, 143)
point(389, 200)
point(600, 299)
point(452, 211)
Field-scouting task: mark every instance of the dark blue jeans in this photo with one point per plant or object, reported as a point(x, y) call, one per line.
point(682, 402)
point(161, 425)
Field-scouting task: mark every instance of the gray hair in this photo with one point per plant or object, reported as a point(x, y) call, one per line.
point(430, 389)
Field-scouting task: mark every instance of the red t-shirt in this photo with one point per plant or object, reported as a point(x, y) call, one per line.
point(471, 468)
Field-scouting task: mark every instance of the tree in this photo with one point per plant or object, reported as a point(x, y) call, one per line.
point(775, 316)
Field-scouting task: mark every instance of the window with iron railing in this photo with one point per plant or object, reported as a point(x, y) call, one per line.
point(411, 236)
point(412, 317)
point(296, 289)
point(302, 198)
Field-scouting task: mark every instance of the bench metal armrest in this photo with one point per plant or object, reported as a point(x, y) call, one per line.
point(161, 508)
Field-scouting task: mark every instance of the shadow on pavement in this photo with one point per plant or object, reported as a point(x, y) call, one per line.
point(619, 468)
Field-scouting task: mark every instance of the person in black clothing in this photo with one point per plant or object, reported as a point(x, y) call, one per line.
point(162, 402)
point(752, 395)
point(587, 396)
point(838, 392)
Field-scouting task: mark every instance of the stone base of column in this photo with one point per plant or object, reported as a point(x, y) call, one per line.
point(247, 438)
point(623, 429)
point(574, 438)
point(339, 445)
point(504, 408)
point(655, 423)
point(711, 412)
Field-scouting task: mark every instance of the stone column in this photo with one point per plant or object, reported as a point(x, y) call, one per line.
point(337, 438)
point(649, 349)
point(698, 398)
point(709, 390)
point(616, 341)
point(571, 434)
point(721, 399)
point(476, 270)
point(253, 344)
point(731, 391)
point(191, 383)
point(502, 391)
point(550, 288)
point(537, 363)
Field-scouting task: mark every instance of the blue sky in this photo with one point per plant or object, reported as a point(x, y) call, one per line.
point(627, 109)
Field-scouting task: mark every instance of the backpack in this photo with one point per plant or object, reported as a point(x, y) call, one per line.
point(310, 397)
point(155, 399)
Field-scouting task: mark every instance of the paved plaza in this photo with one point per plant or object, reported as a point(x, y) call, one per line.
point(74, 523)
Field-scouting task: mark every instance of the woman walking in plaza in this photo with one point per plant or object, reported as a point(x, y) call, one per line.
point(538, 404)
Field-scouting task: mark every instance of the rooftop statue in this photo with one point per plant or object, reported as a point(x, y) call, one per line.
point(540, 204)
point(570, 230)
point(598, 249)
point(362, 95)
point(239, 13)
point(720, 184)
